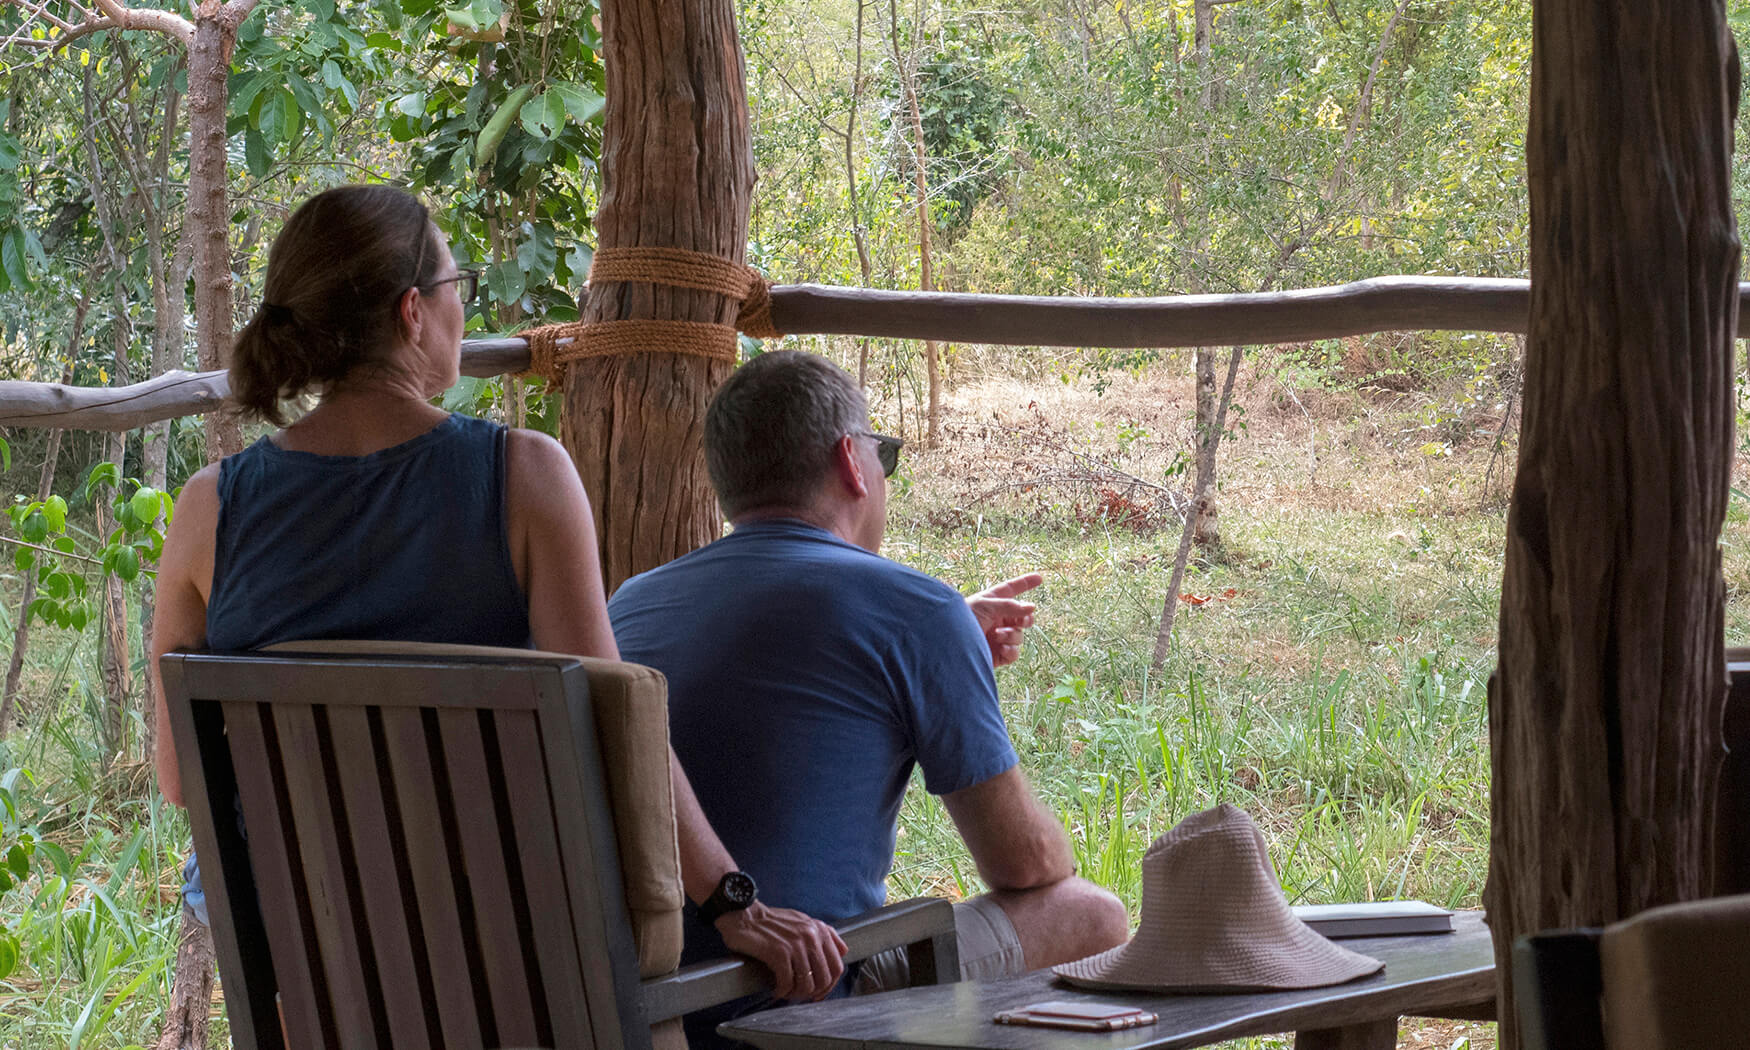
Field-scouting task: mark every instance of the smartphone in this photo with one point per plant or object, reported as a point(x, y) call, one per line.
point(1080, 1016)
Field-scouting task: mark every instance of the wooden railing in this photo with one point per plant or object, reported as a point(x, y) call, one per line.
point(1382, 304)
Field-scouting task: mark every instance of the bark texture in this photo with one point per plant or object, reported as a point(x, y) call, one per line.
point(191, 992)
point(677, 171)
point(209, 214)
point(1604, 712)
point(114, 661)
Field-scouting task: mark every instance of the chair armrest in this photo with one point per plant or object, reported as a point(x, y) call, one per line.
point(915, 923)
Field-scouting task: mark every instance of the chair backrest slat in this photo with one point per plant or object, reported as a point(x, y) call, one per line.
point(424, 816)
point(592, 871)
point(482, 847)
point(284, 906)
point(403, 977)
point(531, 807)
point(333, 908)
point(430, 855)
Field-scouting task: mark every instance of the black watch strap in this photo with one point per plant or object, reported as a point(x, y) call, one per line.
point(734, 892)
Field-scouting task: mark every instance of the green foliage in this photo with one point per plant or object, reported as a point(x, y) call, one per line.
point(59, 557)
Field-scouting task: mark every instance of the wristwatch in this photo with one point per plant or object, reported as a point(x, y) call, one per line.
point(734, 892)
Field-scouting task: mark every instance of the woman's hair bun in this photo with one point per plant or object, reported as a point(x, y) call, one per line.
point(334, 274)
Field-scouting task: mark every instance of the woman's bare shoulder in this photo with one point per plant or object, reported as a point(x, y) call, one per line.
point(200, 493)
point(539, 468)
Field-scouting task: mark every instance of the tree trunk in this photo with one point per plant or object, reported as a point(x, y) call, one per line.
point(1604, 711)
point(209, 215)
point(857, 234)
point(677, 169)
point(1204, 531)
point(44, 486)
point(169, 310)
point(926, 279)
point(114, 662)
point(1202, 509)
point(191, 992)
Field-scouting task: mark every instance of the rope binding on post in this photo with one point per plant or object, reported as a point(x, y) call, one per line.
point(675, 268)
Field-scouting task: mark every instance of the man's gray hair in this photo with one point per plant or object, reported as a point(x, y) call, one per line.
point(771, 428)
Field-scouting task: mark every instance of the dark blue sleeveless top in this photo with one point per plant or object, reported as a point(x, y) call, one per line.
point(405, 544)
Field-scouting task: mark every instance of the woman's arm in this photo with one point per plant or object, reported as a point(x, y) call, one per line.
point(553, 546)
point(179, 616)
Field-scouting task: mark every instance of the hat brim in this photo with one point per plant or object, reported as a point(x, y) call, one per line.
point(1307, 962)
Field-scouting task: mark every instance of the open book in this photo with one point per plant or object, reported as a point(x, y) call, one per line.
point(1377, 919)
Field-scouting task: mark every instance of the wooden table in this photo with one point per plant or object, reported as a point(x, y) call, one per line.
point(1443, 975)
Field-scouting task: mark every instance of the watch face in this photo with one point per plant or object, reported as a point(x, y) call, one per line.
point(738, 889)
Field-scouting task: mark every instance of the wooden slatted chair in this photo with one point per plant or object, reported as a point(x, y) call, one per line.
point(410, 846)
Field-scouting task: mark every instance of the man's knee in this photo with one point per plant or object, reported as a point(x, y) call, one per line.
point(1108, 918)
point(1065, 921)
point(1101, 917)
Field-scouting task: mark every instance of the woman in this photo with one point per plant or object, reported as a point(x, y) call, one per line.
point(378, 515)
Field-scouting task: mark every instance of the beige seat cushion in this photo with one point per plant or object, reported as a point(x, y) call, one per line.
point(1676, 976)
point(631, 714)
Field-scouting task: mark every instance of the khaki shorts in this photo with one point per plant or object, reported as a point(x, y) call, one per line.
point(989, 947)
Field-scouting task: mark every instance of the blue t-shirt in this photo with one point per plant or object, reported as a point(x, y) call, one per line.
point(806, 677)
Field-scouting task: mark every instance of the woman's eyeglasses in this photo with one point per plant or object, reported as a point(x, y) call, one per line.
point(886, 450)
point(467, 281)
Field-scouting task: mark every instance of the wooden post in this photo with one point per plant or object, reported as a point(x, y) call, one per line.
point(677, 171)
point(1604, 712)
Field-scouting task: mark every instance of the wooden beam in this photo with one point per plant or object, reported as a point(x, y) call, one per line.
point(1382, 304)
point(112, 408)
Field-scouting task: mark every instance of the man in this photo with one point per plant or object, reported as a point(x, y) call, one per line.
point(808, 675)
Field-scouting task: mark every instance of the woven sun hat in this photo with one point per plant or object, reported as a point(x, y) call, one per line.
point(1215, 920)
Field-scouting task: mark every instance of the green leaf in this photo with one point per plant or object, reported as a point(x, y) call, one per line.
point(543, 115)
point(12, 258)
point(8, 153)
point(461, 16)
point(55, 510)
point(242, 96)
point(55, 585)
point(34, 528)
point(581, 102)
point(145, 504)
point(34, 248)
point(304, 95)
point(537, 255)
point(104, 473)
point(127, 563)
point(494, 131)
point(256, 154)
point(5, 455)
point(64, 544)
point(291, 115)
point(78, 618)
point(18, 860)
point(505, 279)
point(9, 952)
point(23, 558)
point(411, 104)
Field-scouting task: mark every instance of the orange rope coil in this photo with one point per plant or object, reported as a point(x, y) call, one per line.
point(675, 268)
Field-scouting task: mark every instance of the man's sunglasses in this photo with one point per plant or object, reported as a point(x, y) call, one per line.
point(467, 282)
point(886, 450)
